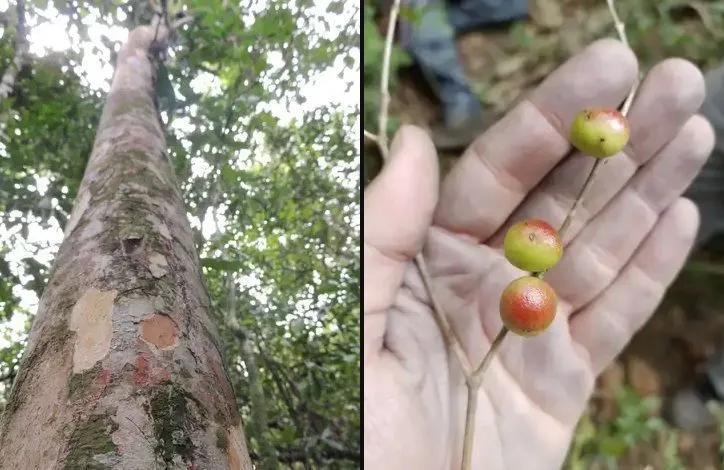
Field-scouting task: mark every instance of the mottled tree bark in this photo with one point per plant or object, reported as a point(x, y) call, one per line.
point(123, 367)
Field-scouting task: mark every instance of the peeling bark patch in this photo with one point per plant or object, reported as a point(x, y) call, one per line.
point(91, 321)
point(90, 444)
point(157, 264)
point(160, 330)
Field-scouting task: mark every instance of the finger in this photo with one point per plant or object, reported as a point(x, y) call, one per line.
point(508, 160)
point(605, 245)
point(606, 325)
point(669, 95)
point(398, 207)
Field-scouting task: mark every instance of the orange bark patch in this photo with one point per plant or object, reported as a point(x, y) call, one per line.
point(91, 321)
point(160, 331)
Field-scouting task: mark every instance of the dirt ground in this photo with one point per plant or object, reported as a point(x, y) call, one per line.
point(505, 63)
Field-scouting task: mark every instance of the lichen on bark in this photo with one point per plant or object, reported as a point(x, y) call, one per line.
point(78, 384)
point(176, 414)
point(91, 443)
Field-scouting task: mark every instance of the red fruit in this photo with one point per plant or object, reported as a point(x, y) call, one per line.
point(533, 245)
point(599, 132)
point(528, 306)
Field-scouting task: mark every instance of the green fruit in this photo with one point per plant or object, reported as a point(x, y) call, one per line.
point(599, 132)
point(533, 245)
point(528, 306)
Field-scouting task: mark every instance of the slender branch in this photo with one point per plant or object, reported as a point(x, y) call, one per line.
point(381, 140)
point(488, 359)
point(470, 413)
point(625, 108)
point(369, 135)
point(579, 198)
point(621, 32)
point(447, 332)
point(474, 383)
point(385, 80)
point(475, 380)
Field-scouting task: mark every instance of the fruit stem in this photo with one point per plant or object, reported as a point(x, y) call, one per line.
point(474, 381)
point(625, 108)
point(472, 408)
point(579, 200)
point(621, 32)
point(447, 332)
point(477, 376)
point(385, 80)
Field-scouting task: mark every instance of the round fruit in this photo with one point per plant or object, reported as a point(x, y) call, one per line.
point(533, 245)
point(528, 306)
point(599, 132)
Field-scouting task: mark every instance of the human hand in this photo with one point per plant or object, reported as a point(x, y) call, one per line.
point(627, 243)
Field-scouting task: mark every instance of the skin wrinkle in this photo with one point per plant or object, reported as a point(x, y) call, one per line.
point(501, 175)
point(399, 348)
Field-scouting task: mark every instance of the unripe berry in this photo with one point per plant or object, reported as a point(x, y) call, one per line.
point(599, 132)
point(528, 306)
point(533, 245)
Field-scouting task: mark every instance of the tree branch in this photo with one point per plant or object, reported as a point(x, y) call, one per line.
point(21, 49)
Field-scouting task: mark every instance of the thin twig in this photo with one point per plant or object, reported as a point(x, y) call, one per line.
point(385, 80)
point(381, 139)
point(488, 359)
point(447, 332)
point(473, 383)
point(470, 412)
point(579, 198)
point(625, 108)
point(475, 380)
point(621, 32)
point(369, 135)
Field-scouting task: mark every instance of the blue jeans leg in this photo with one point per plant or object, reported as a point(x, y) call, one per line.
point(470, 14)
point(431, 41)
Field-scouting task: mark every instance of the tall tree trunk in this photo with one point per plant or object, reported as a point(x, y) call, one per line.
point(123, 367)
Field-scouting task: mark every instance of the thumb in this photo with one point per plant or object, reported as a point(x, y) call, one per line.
point(398, 210)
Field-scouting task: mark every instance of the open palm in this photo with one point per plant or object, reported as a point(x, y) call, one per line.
point(624, 248)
